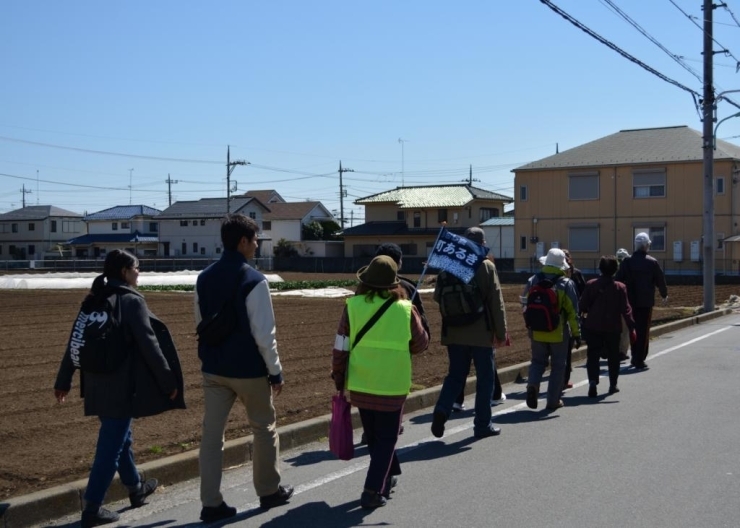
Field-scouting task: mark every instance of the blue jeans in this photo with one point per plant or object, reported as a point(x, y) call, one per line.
point(460, 357)
point(113, 453)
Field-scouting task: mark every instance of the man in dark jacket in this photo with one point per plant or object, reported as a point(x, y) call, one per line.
point(245, 366)
point(642, 274)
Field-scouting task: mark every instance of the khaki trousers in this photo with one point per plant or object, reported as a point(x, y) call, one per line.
point(219, 395)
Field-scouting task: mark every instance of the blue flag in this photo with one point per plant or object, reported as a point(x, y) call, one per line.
point(457, 255)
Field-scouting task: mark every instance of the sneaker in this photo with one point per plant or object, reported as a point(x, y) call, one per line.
point(491, 430)
point(438, 424)
point(138, 498)
point(390, 483)
point(556, 406)
point(369, 500)
point(280, 497)
point(458, 407)
point(98, 518)
point(531, 396)
point(400, 431)
point(217, 513)
point(613, 389)
point(623, 357)
point(592, 392)
point(500, 399)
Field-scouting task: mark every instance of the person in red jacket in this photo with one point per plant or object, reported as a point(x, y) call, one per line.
point(604, 303)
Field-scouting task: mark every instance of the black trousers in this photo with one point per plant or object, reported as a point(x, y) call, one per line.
point(598, 342)
point(643, 318)
point(381, 429)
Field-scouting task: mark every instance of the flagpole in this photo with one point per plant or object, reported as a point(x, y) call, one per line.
point(423, 271)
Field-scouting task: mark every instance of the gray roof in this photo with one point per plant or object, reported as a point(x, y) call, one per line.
point(207, 208)
point(36, 212)
point(123, 212)
point(631, 147)
point(502, 221)
point(433, 196)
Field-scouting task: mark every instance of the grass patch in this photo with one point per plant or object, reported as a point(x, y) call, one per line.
point(156, 450)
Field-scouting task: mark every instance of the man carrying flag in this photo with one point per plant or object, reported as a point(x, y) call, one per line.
point(473, 322)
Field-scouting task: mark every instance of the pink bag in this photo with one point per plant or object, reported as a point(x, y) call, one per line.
point(340, 430)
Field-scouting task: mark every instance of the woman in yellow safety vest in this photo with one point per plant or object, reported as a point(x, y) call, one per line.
point(376, 368)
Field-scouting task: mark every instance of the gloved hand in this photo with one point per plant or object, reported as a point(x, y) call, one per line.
point(577, 342)
point(633, 336)
point(665, 300)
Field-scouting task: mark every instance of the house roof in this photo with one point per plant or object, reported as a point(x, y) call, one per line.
point(207, 208)
point(433, 196)
point(291, 210)
point(501, 221)
point(266, 196)
point(118, 238)
point(630, 147)
point(389, 229)
point(36, 212)
point(123, 212)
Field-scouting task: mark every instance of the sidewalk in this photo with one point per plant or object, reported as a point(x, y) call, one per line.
point(43, 506)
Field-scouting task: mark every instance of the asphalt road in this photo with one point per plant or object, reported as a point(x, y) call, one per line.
point(661, 453)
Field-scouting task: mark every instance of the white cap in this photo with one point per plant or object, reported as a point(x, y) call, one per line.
point(622, 254)
point(555, 257)
point(642, 240)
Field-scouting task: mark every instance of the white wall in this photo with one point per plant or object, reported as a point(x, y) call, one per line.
point(501, 240)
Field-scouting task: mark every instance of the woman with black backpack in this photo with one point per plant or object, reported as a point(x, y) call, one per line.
point(129, 371)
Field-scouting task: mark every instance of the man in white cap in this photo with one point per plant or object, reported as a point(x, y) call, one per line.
point(642, 274)
point(550, 342)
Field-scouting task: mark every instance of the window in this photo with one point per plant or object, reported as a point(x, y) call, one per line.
point(53, 226)
point(441, 215)
point(195, 247)
point(11, 249)
point(184, 248)
point(583, 238)
point(408, 249)
point(202, 251)
point(195, 222)
point(14, 228)
point(417, 219)
point(486, 213)
point(114, 226)
point(203, 222)
point(583, 186)
point(656, 234)
point(1, 250)
point(522, 193)
point(31, 226)
point(153, 227)
point(183, 223)
point(32, 249)
point(218, 251)
point(70, 226)
point(267, 225)
point(719, 185)
point(125, 225)
point(253, 215)
point(648, 184)
point(720, 240)
point(523, 243)
point(401, 216)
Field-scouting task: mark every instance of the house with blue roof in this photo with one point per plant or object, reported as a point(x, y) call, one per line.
point(134, 228)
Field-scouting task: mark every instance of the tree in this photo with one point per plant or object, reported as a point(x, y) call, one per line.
point(330, 227)
point(283, 248)
point(312, 231)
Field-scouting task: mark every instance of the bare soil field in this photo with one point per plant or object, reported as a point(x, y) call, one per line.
point(46, 444)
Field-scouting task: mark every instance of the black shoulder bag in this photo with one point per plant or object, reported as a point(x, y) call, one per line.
point(215, 329)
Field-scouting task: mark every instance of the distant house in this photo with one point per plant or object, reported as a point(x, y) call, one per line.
point(412, 216)
point(130, 227)
point(286, 221)
point(35, 231)
point(594, 199)
point(193, 228)
point(267, 197)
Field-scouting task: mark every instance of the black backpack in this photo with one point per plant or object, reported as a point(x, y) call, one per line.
point(96, 343)
point(542, 311)
point(460, 304)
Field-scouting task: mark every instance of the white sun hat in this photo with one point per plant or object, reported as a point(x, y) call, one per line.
point(555, 257)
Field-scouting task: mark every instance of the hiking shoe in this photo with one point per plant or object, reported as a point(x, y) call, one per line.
point(531, 396)
point(592, 392)
point(98, 518)
point(217, 513)
point(556, 406)
point(138, 498)
point(438, 424)
point(500, 399)
point(369, 500)
point(458, 407)
point(623, 357)
point(390, 483)
point(280, 497)
point(491, 430)
point(613, 389)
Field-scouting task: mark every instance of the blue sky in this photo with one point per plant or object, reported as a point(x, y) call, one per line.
point(93, 89)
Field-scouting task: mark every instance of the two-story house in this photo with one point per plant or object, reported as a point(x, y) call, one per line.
point(130, 227)
point(412, 216)
point(594, 199)
point(193, 228)
point(35, 231)
point(286, 221)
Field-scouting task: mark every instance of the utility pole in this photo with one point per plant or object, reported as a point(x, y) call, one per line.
point(230, 166)
point(708, 121)
point(170, 181)
point(402, 141)
point(130, 184)
point(24, 192)
point(342, 193)
point(470, 179)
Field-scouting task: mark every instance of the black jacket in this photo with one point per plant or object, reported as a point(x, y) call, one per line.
point(642, 274)
point(143, 383)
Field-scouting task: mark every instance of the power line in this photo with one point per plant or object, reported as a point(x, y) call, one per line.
point(727, 8)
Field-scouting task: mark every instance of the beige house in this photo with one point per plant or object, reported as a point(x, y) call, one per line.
point(594, 198)
point(412, 216)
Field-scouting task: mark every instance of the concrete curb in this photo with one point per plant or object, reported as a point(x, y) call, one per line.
point(53, 503)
